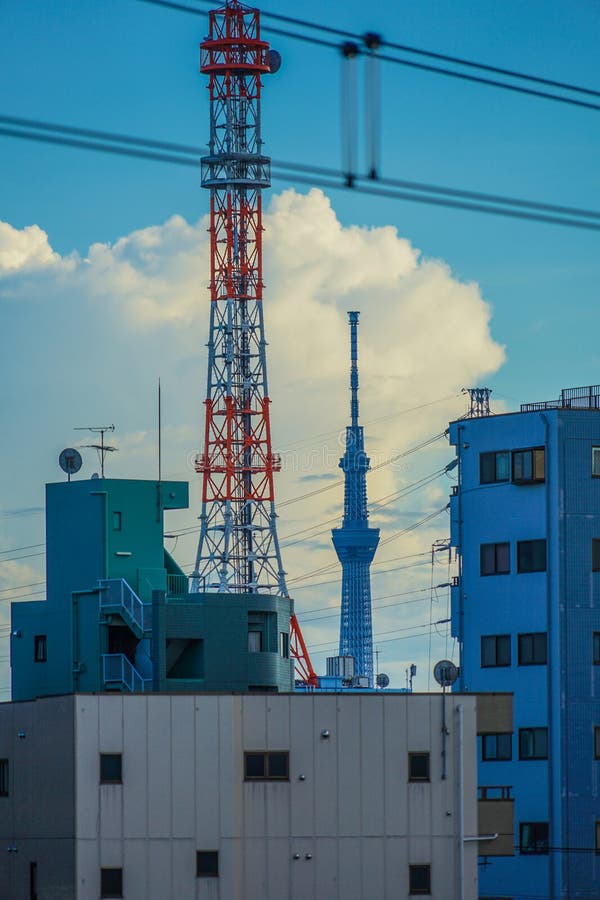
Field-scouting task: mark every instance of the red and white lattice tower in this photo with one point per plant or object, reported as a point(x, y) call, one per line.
point(238, 551)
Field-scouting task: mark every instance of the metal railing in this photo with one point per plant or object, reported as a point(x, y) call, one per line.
point(495, 792)
point(570, 398)
point(178, 585)
point(116, 594)
point(117, 670)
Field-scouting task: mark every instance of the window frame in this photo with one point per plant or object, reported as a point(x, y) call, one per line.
point(487, 456)
point(205, 854)
point(497, 758)
point(535, 826)
point(596, 648)
point(266, 768)
point(596, 734)
point(533, 730)
point(419, 754)
point(107, 891)
point(496, 664)
point(40, 648)
point(534, 661)
point(597, 837)
point(412, 869)
point(496, 570)
point(533, 465)
point(595, 452)
point(526, 571)
point(595, 554)
point(102, 777)
point(284, 644)
point(4, 777)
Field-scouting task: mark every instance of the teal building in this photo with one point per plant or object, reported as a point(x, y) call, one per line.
point(119, 616)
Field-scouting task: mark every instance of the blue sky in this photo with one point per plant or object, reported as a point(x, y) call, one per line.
point(125, 66)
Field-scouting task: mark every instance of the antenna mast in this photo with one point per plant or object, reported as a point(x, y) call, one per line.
point(102, 448)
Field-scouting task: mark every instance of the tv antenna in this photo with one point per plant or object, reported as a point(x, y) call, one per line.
point(102, 448)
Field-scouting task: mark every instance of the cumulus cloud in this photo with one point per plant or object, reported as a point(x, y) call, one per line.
point(139, 307)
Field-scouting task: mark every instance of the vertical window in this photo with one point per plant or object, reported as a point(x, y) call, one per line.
point(595, 462)
point(33, 891)
point(111, 882)
point(495, 650)
point(111, 768)
point(494, 559)
point(207, 864)
point(3, 778)
point(595, 554)
point(254, 641)
point(494, 467)
point(39, 648)
point(117, 520)
point(496, 747)
point(267, 765)
point(284, 644)
point(596, 648)
point(528, 466)
point(531, 556)
point(597, 837)
point(533, 837)
point(596, 742)
point(533, 743)
point(418, 766)
point(419, 879)
point(532, 649)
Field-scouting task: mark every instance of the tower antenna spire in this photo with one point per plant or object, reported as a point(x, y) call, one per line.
point(355, 542)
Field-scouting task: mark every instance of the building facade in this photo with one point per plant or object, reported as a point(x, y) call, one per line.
point(119, 614)
point(525, 520)
point(237, 797)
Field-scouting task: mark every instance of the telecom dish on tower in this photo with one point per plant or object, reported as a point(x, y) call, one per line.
point(70, 461)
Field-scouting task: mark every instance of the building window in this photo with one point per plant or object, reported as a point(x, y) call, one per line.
point(267, 765)
point(532, 649)
point(3, 778)
point(419, 879)
point(595, 554)
point(111, 882)
point(597, 841)
point(254, 641)
point(284, 644)
point(595, 462)
point(596, 742)
point(207, 864)
point(494, 467)
point(533, 837)
point(533, 743)
point(494, 559)
point(39, 648)
point(117, 520)
point(495, 650)
point(528, 466)
point(596, 648)
point(496, 747)
point(531, 556)
point(418, 766)
point(111, 771)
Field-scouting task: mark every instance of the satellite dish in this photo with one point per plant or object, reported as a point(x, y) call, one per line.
point(445, 673)
point(70, 461)
point(274, 61)
point(383, 680)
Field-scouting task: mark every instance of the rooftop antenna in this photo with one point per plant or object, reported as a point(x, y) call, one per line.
point(479, 402)
point(102, 448)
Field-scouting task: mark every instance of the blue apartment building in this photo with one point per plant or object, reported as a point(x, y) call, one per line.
point(525, 521)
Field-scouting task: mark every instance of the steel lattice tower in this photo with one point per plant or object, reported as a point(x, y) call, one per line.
point(355, 543)
point(238, 551)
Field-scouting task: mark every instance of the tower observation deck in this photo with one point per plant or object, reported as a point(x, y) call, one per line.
point(355, 543)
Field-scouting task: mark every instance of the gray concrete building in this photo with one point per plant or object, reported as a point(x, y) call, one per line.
point(236, 797)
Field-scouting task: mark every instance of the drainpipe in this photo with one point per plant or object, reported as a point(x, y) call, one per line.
point(104, 495)
point(552, 681)
point(460, 804)
point(461, 606)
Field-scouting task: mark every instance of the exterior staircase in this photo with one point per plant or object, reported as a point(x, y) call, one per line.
point(119, 674)
point(118, 598)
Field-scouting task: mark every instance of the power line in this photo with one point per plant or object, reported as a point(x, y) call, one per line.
point(18, 549)
point(25, 556)
point(417, 192)
point(425, 67)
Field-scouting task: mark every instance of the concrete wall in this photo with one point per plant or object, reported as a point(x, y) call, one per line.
point(354, 813)
point(37, 819)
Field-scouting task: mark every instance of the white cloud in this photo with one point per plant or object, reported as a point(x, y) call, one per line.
point(139, 308)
